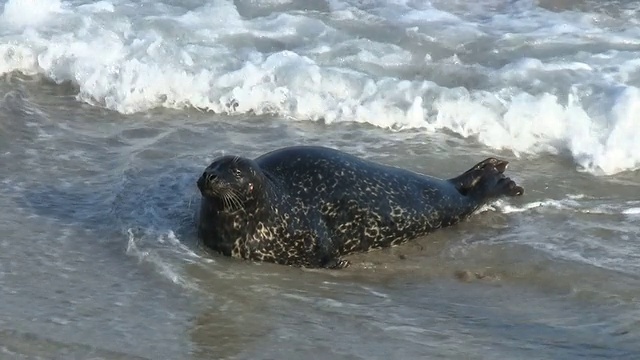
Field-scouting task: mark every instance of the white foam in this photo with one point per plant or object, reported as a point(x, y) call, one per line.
point(570, 203)
point(22, 13)
point(132, 57)
point(632, 211)
point(17, 58)
point(150, 253)
point(99, 6)
point(616, 146)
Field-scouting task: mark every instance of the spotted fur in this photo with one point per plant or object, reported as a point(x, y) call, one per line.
point(308, 206)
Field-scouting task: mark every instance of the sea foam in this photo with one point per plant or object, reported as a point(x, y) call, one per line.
point(23, 13)
point(499, 74)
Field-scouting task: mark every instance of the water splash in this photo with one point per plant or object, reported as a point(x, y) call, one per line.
point(158, 252)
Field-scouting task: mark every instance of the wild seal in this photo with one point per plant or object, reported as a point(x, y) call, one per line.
point(308, 206)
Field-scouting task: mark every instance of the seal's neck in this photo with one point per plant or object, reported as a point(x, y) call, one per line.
point(261, 196)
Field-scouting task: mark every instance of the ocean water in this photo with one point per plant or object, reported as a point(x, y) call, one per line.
point(109, 111)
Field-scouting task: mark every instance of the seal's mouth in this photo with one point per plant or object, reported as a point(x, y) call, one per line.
point(204, 183)
point(209, 185)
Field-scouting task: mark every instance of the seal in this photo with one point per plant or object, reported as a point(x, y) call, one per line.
point(308, 206)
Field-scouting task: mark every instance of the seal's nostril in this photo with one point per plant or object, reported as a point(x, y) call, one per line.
point(210, 177)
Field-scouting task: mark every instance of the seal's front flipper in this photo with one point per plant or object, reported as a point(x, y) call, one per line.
point(337, 264)
point(486, 180)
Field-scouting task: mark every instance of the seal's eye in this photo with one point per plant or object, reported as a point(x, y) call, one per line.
point(237, 172)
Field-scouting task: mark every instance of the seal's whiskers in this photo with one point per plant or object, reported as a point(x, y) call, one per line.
point(231, 200)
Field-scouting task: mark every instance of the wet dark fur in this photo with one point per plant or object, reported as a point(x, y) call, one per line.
point(308, 206)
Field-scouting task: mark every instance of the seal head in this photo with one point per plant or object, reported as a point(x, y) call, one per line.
point(233, 207)
point(231, 182)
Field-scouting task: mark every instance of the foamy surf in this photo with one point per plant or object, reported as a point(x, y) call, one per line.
point(574, 202)
point(156, 254)
point(607, 243)
point(423, 70)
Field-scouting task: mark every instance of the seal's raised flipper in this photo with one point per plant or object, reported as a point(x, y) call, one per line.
point(486, 180)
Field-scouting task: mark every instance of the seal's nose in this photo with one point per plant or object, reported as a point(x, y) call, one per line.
point(201, 182)
point(205, 179)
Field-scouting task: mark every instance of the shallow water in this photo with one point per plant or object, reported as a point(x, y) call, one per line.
point(106, 124)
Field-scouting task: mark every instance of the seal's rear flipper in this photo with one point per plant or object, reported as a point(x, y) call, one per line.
point(486, 180)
